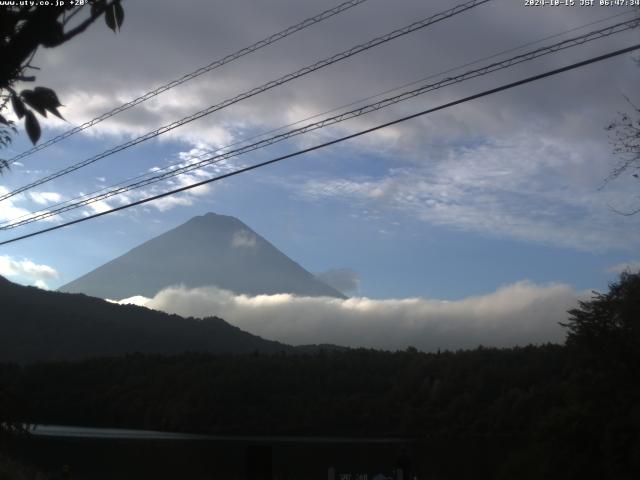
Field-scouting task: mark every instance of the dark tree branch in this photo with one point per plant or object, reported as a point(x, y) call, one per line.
point(84, 25)
point(70, 16)
point(22, 31)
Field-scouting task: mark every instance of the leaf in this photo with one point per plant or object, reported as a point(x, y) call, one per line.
point(50, 95)
point(32, 126)
point(4, 121)
point(56, 113)
point(119, 13)
point(51, 33)
point(18, 106)
point(34, 101)
point(42, 99)
point(110, 18)
point(49, 100)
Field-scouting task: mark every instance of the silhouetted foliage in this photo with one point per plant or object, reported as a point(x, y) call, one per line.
point(10, 469)
point(39, 325)
point(354, 392)
point(24, 28)
point(608, 325)
point(550, 411)
point(548, 414)
point(625, 138)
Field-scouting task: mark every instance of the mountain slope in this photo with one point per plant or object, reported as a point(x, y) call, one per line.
point(207, 250)
point(37, 325)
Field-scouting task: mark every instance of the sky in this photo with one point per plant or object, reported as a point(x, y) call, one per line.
point(496, 195)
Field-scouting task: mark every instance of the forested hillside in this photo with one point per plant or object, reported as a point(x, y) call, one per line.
point(553, 415)
point(38, 325)
point(552, 411)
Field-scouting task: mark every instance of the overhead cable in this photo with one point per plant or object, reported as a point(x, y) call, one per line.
point(257, 90)
point(316, 115)
point(190, 76)
point(384, 103)
point(333, 142)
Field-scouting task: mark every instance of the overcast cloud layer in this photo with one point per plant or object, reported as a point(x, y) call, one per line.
point(518, 314)
point(524, 164)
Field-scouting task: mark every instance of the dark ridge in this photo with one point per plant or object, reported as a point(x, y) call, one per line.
point(39, 325)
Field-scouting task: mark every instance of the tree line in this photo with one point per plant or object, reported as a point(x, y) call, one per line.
point(566, 411)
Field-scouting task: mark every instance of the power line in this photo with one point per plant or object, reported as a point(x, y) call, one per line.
point(333, 142)
point(257, 90)
point(196, 73)
point(525, 57)
point(400, 87)
point(89, 196)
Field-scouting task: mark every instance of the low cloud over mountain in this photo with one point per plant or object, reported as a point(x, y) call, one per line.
point(517, 314)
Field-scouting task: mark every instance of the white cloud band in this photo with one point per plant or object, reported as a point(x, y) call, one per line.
point(518, 314)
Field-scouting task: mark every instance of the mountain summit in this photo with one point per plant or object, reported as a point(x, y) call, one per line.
point(207, 250)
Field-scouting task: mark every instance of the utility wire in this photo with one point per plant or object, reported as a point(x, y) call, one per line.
point(196, 73)
point(400, 87)
point(8, 224)
point(255, 91)
point(338, 140)
point(525, 57)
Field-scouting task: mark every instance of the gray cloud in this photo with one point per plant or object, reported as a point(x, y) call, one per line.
point(483, 163)
point(517, 314)
point(494, 191)
point(162, 43)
